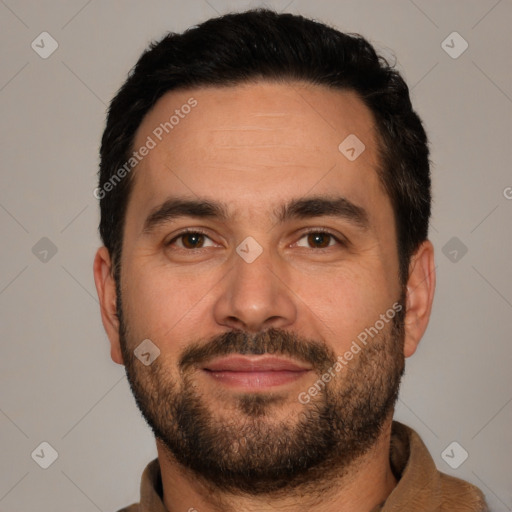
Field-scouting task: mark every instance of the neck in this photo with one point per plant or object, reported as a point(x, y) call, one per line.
point(361, 487)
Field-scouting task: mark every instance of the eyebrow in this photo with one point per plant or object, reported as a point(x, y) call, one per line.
point(302, 208)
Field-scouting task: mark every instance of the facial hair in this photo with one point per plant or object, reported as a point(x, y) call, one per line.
point(248, 452)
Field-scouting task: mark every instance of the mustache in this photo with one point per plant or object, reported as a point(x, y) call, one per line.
point(271, 341)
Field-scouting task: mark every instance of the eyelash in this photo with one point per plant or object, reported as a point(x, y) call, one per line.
point(197, 231)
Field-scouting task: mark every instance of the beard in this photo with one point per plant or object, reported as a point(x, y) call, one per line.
point(243, 450)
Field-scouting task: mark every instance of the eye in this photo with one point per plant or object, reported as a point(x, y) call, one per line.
point(320, 238)
point(190, 240)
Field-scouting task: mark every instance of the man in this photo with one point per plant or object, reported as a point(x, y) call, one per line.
point(265, 199)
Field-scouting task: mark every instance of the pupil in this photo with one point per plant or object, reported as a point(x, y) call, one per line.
point(319, 239)
point(188, 237)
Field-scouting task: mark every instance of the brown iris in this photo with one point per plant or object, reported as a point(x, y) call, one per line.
point(321, 239)
point(196, 239)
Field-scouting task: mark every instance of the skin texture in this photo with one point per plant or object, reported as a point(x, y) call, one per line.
point(255, 147)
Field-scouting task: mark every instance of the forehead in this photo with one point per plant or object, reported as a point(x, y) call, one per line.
point(253, 143)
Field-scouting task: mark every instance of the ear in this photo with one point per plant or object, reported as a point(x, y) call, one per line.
point(106, 288)
point(420, 294)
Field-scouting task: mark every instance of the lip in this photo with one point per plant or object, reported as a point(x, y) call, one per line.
point(251, 373)
point(255, 364)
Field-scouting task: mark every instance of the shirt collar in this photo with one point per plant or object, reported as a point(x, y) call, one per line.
point(151, 492)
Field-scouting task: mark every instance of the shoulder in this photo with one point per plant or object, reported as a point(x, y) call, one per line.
point(460, 496)
point(131, 508)
point(422, 484)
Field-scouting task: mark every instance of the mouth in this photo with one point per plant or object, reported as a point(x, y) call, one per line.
point(255, 372)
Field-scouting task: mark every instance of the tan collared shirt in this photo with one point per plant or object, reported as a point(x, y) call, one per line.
point(421, 487)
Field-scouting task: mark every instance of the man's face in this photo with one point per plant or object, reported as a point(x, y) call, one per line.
point(250, 309)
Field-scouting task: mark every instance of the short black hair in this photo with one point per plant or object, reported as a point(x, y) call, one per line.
point(261, 44)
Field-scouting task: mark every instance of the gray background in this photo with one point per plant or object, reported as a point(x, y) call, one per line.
point(58, 383)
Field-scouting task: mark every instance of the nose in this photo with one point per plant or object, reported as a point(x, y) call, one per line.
point(256, 295)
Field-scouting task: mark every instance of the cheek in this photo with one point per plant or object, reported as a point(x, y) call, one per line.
point(345, 302)
point(161, 303)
